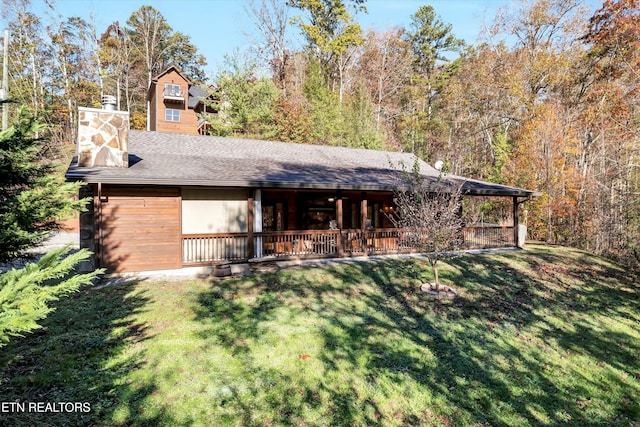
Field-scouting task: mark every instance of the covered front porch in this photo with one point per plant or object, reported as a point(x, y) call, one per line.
point(290, 224)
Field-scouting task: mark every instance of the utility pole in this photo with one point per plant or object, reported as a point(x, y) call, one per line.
point(5, 81)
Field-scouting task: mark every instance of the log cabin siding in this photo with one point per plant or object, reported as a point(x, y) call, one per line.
point(140, 228)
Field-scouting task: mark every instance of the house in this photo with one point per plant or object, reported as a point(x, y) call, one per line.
point(175, 104)
point(165, 200)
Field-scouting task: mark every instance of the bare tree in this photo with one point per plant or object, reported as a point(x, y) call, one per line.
point(385, 70)
point(271, 18)
point(428, 209)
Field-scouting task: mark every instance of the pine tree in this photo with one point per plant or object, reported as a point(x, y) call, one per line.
point(25, 294)
point(32, 199)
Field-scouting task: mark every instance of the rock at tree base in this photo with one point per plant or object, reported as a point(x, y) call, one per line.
point(445, 291)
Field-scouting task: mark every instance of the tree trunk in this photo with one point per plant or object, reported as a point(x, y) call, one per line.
point(36, 110)
point(380, 88)
point(149, 79)
point(435, 274)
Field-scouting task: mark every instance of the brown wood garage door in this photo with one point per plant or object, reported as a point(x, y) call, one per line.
point(141, 229)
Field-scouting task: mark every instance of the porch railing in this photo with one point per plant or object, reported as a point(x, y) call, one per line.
point(298, 243)
point(234, 247)
point(380, 241)
point(487, 237)
point(210, 248)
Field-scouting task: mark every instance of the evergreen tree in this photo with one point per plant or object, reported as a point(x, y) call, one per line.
point(324, 107)
point(359, 127)
point(430, 41)
point(32, 200)
point(332, 35)
point(25, 293)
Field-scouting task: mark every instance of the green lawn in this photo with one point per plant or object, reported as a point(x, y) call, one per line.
point(545, 336)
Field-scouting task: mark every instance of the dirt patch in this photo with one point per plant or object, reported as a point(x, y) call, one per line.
point(71, 225)
point(443, 291)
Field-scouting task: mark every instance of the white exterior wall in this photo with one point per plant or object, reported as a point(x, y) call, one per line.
point(214, 211)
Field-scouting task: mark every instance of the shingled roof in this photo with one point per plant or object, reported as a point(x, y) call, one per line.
point(157, 158)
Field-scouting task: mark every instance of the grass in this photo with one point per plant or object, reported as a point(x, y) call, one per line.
point(546, 336)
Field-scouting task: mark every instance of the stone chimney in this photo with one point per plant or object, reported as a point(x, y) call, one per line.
point(103, 136)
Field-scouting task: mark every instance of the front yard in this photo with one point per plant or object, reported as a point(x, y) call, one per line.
point(544, 336)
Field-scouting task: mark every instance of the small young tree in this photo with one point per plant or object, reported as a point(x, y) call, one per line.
point(429, 208)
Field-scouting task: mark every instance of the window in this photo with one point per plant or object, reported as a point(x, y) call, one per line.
point(172, 115)
point(172, 90)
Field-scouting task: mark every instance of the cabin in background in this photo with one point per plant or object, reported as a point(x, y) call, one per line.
point(175, 104)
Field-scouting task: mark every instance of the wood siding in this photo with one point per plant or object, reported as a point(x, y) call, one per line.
point(140, 229)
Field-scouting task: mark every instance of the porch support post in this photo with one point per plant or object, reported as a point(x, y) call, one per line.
point(363, 211)
point(250, 223)
point(257, 223)
point(363, 221)
point(339, 223)
point(515, 221)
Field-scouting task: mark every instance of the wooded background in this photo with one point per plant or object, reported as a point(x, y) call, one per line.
point(546, 99)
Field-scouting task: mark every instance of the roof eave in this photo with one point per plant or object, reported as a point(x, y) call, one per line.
point(95, 179)
point(505, 193)
point(74, 175)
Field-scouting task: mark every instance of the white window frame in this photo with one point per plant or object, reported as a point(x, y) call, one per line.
point(172, 115)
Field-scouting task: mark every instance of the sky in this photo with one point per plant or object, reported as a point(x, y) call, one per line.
point(218, 27)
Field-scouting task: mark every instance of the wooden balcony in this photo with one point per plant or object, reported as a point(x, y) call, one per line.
point(173, 95)
point(201, 249)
